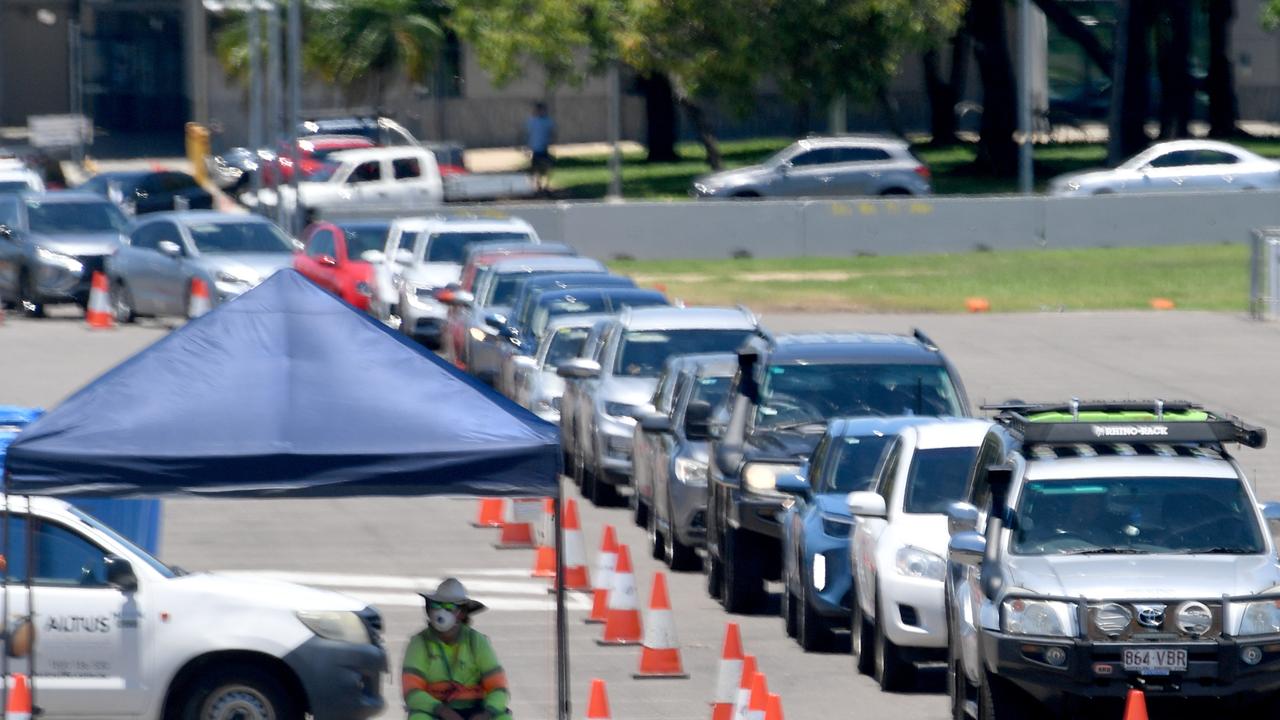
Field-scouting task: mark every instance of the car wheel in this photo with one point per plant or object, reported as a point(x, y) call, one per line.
point(680, 557)
point(639, 509)
point(788, 611)
point(813, 630)
point(746, 195)
point(861, 640)
point(892, 672)
point(657, 546)
point(239, 693)
point(957, 683)
point(122, 303)
point(28, 299)
point(894, 191)
point(715, 573)
point(998, 699)
point(742, 585)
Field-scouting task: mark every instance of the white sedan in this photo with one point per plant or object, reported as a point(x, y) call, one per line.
point(899, 545)
point(1178, 166)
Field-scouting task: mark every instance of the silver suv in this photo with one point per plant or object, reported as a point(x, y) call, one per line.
point(1108, 546)
point(825, 166)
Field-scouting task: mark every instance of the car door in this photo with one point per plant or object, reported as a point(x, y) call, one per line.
point(1215, 170)
point(809, 174)
point(410, 182)
point(867, 530)
point(88, 634)
point(10, 249)
point(362, 185)
point(320, 258)
point(858, 171)
point(157, 280)
point(799, 511)
point(1169, 172)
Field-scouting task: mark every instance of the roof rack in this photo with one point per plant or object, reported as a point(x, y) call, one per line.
point(1124, 421)
point(925, 340)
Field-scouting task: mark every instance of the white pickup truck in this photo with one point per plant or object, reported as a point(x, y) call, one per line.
point(120, 635)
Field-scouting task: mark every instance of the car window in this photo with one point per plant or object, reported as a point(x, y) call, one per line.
point(407, 239)
point(643, 352)
point(60, 557)
point(565, 344)
point(322, 243)
point(936, 478)
point(10, 212)
point(148, 236)
point(818, 465)
point(406, 168)
point(1215, 157)
point(451, 247)
point(887, 479)
point(362, 237)
point(366, 172)
point(853, 462)
point(860, 154)
point(75, 217)
point(239, 237)
point(800, 392)
point(1177, 158)
point(817, 156)
point(177, 181)
point(979, 490)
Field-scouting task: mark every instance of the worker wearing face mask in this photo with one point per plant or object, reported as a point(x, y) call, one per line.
point(450, 670)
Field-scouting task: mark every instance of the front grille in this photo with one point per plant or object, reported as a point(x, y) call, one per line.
point(1161, 622)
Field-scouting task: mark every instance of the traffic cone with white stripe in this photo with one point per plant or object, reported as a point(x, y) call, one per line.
point(729, 674)
point(544, 562)
point(575, 555)
point(199, 303)
point(743, 694)
point(758, 704)
point(622, 620)
point(19, 707)
point(517, 532)
point(603, 579)
point(660, 656)
point(98, 310)
point(1135, 705)
point(489, 514)
point(773, 711)
point(598, 705)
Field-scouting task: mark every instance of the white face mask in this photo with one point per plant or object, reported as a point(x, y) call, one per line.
point(441, 620)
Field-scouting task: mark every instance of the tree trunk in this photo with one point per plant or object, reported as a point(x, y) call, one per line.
point(706, 134)
point(1221, 81)
point(997, 152)
point(889, 109)
point(1068, 23)
point(660, 117)
point(942, 102)
point(1175, 70)
point(1130, 93)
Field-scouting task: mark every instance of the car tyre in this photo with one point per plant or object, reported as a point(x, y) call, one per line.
point(862, 640)
point(999, 699)
point(742, 585)
point(957, 684)
point(812, 629)
point(715, 573)
point(244, 692)
point(789, 621)
point(657, 546)
point(680, 557)
point(28, 300)
point(122, 303)
point(892, 671)
point(639, 510)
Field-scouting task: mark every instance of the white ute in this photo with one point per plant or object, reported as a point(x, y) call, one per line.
point(120, 635)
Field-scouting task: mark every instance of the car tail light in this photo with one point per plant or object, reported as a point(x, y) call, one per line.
point(923, 171)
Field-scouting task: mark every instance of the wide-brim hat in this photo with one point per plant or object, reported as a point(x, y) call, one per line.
point(451, 590)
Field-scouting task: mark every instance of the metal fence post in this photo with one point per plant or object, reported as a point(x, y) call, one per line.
point(1255, 275)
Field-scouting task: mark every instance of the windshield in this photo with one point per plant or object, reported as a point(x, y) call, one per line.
point(75, 217)
point(233, 237)
point(568, 305)
point(364, 237)
point(1180, 515)
point(566, 344)
point(937, 478)
point(451, 247)
point(643, 352)
point(711, 390)
point(321, 172)
point(797, 394)
point(781, 155)
point(14, 186)
point(855, 463)
point(137, 551)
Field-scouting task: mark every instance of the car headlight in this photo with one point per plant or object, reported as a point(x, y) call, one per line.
point(1044, 618)
point(477, 334)
point(690, 471)
point(917, 563)
point(1261, 618)
point(762, 478)
point(57, 259)
point(1193, 618)
point(223, 276)
point(336, 625)
point(704, 189)
point(622, 410)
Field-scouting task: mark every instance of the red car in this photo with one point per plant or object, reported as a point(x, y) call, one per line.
point(313, 153)
point(331, 253)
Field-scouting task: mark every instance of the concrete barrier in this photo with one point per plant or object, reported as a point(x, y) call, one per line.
point(890, 226)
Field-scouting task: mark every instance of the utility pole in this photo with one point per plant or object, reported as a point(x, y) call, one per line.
point(255, 97)
point(294, 48)
point(1025, 139)
point(615, 131)
point(274, 96)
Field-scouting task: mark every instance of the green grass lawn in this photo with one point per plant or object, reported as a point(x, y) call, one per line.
point(953, 173)
point(1201, 277)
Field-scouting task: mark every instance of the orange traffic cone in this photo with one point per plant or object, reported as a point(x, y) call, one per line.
point(1135, 705)
point(729, 674)
point(758, 704)
point(598, 705)
point(489, 514)
point(622, 620)
point(744, 687)
point(605, 562)
point(660, 656)
point(199, 303)
point(544, 562)
point(517, 532)
point(19, 699)
point(773, 711)
point(575, 556)
point(98, 311)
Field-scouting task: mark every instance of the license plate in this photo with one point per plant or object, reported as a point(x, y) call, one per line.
point(1155, 661)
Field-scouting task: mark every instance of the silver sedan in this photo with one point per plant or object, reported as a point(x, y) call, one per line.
point(1178, 166)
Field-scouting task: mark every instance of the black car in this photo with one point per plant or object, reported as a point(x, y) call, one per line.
point(785, 391)
point(150, 190)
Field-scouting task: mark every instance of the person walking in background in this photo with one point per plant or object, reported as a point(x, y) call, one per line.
point(540, 129)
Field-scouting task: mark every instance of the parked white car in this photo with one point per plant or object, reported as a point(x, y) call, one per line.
point(16, 177)
point(1178, 166)
point(121, 635)
point(898, 547)
point(392, 177)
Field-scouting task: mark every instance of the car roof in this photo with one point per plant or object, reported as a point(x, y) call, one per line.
point(859, 426)
point(620, 291)
point(549, 282)
point(468, 223)
point(547, 263)
point(331, 139)
point(204, 216)
point(127, 174)
point(376, 153)
point(867, 140)
point(64, 196)
point(1199, 145)
point(490, 252)
point(951, 432)
point(360, 223)
point(703, 364)
point(575, 320)
point(1112, 466)
point(687, 318)
point(852, 347)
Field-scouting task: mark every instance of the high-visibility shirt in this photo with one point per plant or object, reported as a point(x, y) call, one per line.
point(464, 675)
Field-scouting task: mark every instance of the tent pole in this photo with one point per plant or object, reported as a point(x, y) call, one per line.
point(4, 595)
point(562, 619)
point(31, 600)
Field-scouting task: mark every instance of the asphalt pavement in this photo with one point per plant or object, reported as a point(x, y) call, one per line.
point(384, 550)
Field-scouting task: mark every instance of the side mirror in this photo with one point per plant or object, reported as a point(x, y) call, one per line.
point(865, 503)
point(656, 423)
point(580, 368)
point(1271, 511)
point(120, 574)
point(697, 420)
point(404, 256)
point(495, 321)
point(524, 361)
point(967, 547)
point(373, 256)
point(327, 260)
point(170, 248)
point(961, 517)
point(784, 167)
point(792, 484)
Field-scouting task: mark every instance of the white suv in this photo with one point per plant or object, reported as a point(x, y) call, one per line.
point(899, 545)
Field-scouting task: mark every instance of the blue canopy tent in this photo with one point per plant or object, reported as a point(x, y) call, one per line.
point(289, 392)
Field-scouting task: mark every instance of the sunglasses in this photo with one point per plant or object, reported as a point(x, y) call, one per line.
point(446, 605)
